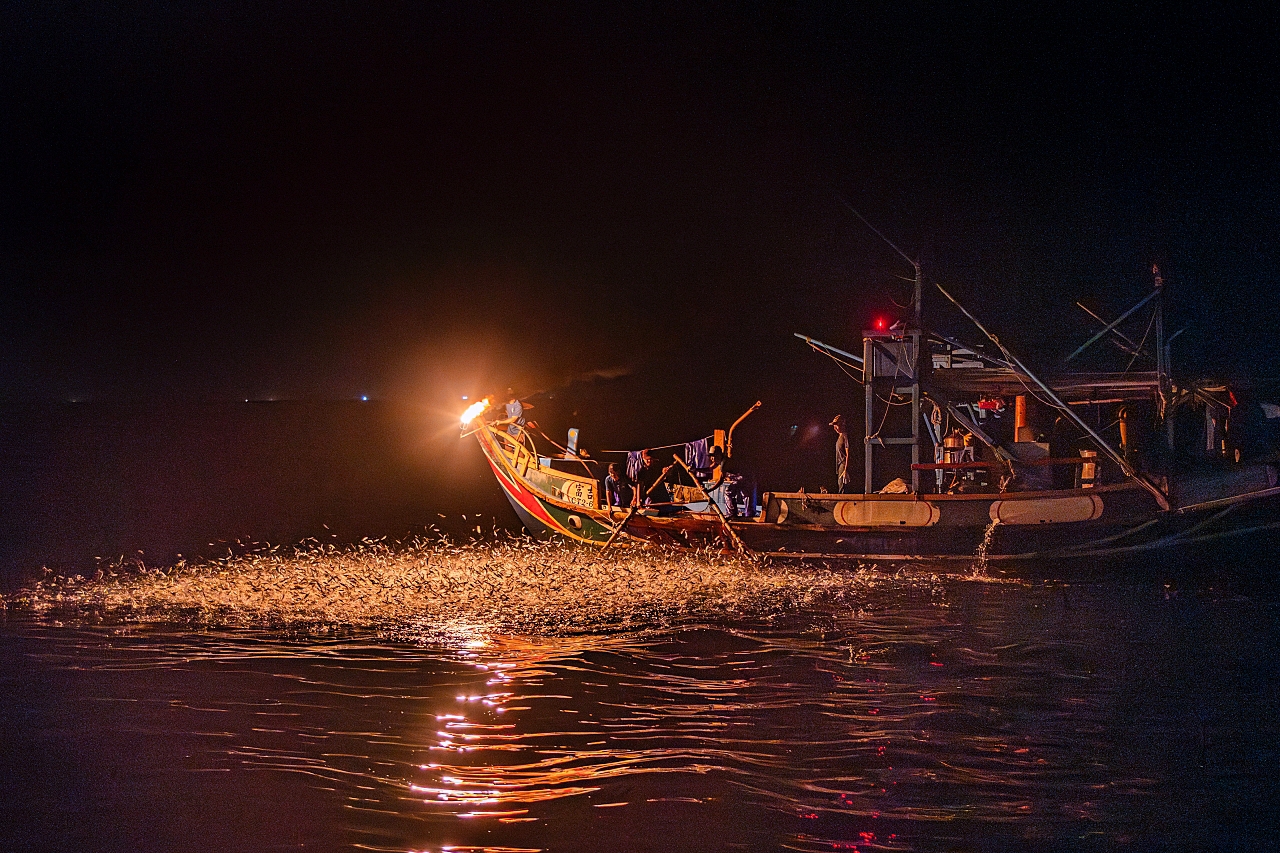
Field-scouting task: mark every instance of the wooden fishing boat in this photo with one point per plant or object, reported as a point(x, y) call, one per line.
point(971, 482)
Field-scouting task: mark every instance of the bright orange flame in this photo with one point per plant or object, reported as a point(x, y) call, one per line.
point(474, 411)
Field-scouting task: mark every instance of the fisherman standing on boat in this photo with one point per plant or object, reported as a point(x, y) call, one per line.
point(842, 455)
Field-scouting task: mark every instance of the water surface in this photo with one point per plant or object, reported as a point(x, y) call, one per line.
point(518, 697)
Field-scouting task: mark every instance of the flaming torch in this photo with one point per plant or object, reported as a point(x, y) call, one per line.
point(474, 411)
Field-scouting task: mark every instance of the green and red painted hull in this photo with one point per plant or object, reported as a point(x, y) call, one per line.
point(1082, 523)
point(541, 514)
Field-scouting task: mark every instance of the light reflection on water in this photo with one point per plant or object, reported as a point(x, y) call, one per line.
point(640, 702)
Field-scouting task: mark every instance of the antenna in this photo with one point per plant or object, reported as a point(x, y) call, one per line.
point(1162, 352)
point(919, 280)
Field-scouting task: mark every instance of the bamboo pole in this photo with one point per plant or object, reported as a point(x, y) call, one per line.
point(621, 524)
point(724, 522)
point(637, 502)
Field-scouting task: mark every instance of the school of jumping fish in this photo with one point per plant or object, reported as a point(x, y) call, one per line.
point(512, 584)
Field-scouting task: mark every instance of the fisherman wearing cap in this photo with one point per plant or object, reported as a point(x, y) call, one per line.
point(842, 455)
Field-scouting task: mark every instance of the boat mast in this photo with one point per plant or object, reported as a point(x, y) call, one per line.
point(1163, 382)
point(894, 356)
point(917, 296)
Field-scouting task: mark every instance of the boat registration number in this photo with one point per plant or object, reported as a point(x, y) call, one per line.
point(580, 494)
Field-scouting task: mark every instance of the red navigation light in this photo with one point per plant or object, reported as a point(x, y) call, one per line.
point(880, 324)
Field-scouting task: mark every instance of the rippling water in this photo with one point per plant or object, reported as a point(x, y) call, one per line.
point(516, 697)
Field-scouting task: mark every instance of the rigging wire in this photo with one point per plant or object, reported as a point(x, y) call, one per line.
point(897, 371)
point(1139, 350)
point(883, 418)
point(843, 365)
point(1034, 395)
point(655, 447)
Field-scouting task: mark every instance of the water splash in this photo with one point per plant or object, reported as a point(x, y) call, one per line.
point(979, 570)
point(426, 588)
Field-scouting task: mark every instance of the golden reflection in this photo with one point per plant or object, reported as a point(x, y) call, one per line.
point(533, 754)
point(533, 624)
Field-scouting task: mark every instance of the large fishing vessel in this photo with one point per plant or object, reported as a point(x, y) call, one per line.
point(966, 454)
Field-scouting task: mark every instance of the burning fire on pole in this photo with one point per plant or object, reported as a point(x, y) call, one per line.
point(474, 411)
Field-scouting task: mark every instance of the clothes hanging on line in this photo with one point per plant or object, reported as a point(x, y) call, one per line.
point(697, 454)
point(634, 464)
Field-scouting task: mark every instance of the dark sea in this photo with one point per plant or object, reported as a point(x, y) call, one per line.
point(395, 691)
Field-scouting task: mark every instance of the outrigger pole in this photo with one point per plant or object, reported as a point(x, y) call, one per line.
point(621, 524)
point(856, 360)
point(1128, 469)
point(1125, 342)
point(1110, 327)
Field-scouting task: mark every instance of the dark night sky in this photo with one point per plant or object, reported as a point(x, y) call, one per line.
point(224, 200)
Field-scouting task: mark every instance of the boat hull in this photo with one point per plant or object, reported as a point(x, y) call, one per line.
point(539, 498)
point(1087, 524)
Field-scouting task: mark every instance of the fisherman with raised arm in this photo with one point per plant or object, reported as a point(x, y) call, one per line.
point(729, 490)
